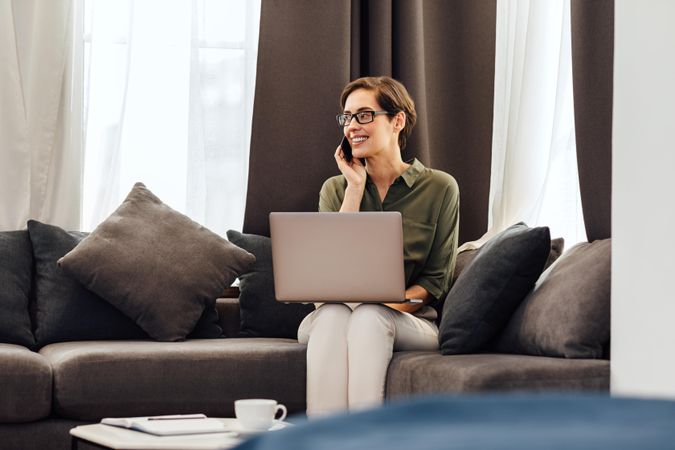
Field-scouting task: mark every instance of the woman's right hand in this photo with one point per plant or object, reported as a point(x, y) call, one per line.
point(353, 171)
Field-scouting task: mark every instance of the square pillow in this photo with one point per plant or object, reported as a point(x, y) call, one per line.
point(568, 312)
point(491, 287)
point(16, 277)
point(261, 314)
point(464, 258)
point(157, 266)
point(66, 311)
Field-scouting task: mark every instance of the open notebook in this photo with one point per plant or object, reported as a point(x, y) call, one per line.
point(169, 425)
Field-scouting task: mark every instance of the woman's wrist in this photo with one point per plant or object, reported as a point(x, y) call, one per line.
point(355, 189)
point(352, 200)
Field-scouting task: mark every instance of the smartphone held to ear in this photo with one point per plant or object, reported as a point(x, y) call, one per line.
point(347, 151)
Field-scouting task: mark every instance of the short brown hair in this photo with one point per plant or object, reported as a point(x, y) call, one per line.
point(392, 96)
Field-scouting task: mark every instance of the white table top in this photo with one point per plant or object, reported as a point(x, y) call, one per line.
point(125, 439)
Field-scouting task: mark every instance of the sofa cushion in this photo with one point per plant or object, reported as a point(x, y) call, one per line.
point(414, 372)
point(465, 257)
point(156, 265)
point(62, 303)
point(65, 310)
point(99, 379)
point(25, 385)
point(261, 314)
point(16, 276)
point(568, 312)
point(487, 292)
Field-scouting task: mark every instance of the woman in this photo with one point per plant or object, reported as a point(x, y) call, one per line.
point(349, 346)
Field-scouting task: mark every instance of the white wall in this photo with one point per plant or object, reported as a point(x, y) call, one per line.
point(643, 204)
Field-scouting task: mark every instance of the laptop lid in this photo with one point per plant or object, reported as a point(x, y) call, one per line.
point(338, 257)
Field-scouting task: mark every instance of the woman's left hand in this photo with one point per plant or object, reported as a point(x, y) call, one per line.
point(413, 292)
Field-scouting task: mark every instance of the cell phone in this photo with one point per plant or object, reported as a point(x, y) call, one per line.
point(347, 150)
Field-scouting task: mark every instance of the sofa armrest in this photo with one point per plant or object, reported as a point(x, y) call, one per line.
point(228, 316)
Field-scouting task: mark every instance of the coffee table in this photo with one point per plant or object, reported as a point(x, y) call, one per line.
point(116, 438)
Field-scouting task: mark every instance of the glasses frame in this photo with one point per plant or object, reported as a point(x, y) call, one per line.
point(349, 117)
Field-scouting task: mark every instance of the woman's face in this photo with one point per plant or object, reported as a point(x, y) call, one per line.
point(372, 138)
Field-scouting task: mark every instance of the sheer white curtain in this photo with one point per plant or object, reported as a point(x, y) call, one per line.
point(40, 146)
point(168, 102)
point(534, 170)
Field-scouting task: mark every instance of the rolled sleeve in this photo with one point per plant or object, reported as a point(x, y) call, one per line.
point(436, 276)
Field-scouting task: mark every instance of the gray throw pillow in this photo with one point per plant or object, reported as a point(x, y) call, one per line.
point(464, 258)
point(261, 314)
point(156, 265)
point(487, 292)
point(16, 275)
point(568, 312)
point(66, 311)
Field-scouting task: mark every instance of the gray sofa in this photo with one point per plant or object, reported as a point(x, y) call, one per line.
point(46, 392)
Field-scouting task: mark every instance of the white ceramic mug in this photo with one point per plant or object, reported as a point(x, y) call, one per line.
point(258, 414)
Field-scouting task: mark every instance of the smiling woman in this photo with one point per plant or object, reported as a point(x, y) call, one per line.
point(168, 102)
point(349, 346)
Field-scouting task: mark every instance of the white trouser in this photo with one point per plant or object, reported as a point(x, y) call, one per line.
point(348, 352)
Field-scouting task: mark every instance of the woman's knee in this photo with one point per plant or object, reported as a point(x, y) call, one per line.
point(370, 320)
point(330, 319)
point(333, 312)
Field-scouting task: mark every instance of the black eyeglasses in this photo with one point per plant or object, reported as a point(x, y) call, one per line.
point(361, 117)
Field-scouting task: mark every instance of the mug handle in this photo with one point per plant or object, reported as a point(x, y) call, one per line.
point(281, 408)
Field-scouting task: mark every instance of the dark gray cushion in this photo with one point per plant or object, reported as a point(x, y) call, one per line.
point(16, 276)
point(156, 265)
point(415, 372)
point(487, 292)
point(568, 312)
point(66, 311)
point(25, 385)
point(134, 378)
point(464, 258)
point(261, 314)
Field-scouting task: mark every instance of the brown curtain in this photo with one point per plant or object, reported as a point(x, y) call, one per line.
point(442, 51)
point(592, 67)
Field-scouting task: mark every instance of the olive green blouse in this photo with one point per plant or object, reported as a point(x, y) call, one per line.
point(428, 201)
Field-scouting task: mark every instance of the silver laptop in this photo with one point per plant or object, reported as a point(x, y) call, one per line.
point(338, 257)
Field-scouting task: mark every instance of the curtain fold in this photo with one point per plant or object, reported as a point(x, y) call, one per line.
point(40, 169)
point(442, 51)
point(593, 71)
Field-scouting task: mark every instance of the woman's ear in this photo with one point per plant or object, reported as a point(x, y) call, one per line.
point(399, 120)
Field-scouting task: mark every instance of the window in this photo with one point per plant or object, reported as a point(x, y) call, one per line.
point(168, 101)
point(534, 175)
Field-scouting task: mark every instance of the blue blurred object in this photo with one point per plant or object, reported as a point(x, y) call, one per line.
point(488, 422)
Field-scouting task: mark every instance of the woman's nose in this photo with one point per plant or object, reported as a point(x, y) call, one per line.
point(353, 125)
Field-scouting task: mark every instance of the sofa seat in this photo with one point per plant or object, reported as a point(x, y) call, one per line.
point(98, 379)
point(25, 385)
point(414, 372)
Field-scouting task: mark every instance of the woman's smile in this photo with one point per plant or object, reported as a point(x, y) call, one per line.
point(357, 140)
